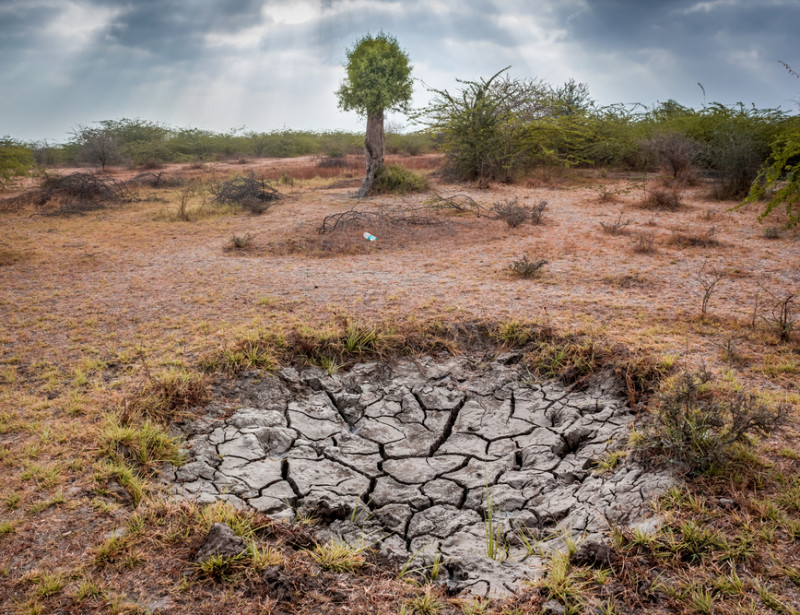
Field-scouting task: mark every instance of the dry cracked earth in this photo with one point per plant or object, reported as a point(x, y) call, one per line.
point(425, 459)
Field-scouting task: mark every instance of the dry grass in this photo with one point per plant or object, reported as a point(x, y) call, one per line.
point(79, 310)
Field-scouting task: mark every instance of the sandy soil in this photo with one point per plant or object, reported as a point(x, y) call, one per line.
point(125, 274)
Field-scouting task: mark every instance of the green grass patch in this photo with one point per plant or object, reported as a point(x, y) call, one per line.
point(145, 445)
point(394, 179)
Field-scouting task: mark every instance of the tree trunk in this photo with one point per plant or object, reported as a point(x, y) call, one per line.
point(374, 146)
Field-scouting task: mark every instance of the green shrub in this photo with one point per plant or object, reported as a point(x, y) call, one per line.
point(145, 445)
point(394, 179)
point(779, 181)
point(482, 137)
point(15, 161)
point(697, 427)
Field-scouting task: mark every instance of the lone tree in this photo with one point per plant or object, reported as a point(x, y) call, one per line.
point(97, 145)
point(378, 79)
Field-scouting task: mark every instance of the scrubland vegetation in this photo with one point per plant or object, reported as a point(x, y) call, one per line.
point(493, 129)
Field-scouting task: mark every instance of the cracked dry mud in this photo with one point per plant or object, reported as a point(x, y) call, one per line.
point(414, 457)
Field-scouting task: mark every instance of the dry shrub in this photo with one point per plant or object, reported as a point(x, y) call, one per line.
point(9, 256)
point(547, 176)
point(606, 195)
point(735, 159)
point(73, 194)
point(512, 213)
point(426, 162)
point(254, 195)
point(152, 164)
point(335, 162)
point(155, 180)
point(676, 152)
point(617, 227)
point(361, 220)
point(628, 280)
point(345, 167)
point(644, 243)
point(239, 242)
point(782, 317)
point(695, 240)
point(460, 203)
point(662, 199)
point(164, 396)
point(526, 268)
point(301, 172)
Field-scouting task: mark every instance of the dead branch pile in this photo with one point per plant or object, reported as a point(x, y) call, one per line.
point(155, 180)
point(74, 194)
point(255, 195)
point(457, 202)
point(510, 211)
point(354, 219)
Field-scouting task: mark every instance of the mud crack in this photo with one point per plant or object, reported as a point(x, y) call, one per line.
point(419, 455)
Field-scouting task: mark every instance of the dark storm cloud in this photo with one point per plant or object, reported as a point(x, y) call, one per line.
point(624, 24)
point(731, 46)
point(417, 27)
point(16, 20)
point(222, 63)
point(176, 29)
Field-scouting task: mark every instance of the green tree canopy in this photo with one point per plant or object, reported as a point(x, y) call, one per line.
point(16, 159)
point(378, 77)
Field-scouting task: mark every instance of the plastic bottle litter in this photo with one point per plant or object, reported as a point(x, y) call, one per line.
point(370, 237)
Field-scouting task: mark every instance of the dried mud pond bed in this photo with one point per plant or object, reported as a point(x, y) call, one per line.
point(454, 462)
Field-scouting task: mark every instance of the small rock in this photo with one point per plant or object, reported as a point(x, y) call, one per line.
point(221, 541)
point(595, 555)
point(551, 607)
point(280, 584)
point(508, 358)
point(117, 533)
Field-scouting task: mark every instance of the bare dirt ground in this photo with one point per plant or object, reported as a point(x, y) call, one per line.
point(102, 288)
point(129, 273)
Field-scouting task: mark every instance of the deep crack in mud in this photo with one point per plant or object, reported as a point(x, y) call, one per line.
point(415, 458)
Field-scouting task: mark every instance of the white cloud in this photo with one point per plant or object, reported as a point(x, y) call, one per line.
point(292, 13)
point(709, 6)
point(75, 26)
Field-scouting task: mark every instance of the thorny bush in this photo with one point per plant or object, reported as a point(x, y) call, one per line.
point(74, 194)
point(254, 195)
point(514, 214)
point(696, 427)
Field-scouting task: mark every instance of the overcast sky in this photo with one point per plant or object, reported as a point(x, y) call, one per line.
point(272, 64)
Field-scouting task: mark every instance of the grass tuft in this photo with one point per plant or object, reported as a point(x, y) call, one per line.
point(164, 396)
point(338, 556)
